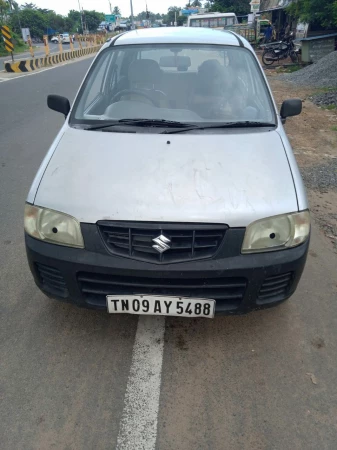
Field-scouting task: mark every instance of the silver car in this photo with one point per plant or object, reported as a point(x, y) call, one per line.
point(172, 188)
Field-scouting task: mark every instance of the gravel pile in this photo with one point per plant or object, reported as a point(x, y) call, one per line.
point(325, 99)
point(322, 177)
point(321, 74)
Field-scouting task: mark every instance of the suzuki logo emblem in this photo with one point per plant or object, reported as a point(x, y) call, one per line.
point(161, 243)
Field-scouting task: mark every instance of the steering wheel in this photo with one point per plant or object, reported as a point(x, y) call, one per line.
point(136, 92)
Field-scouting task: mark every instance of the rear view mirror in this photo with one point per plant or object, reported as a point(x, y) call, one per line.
point(291, 107)
point(59, 104)
point(182, 63)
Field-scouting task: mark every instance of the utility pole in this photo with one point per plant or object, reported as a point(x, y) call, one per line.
point(110, 7)
point(147, 16)
point(79, 7)
point(132, 19)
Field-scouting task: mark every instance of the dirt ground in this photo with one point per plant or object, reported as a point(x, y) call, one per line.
point(313, 137)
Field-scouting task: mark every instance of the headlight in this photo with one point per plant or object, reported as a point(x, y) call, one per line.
point(277, 233)
point(52, 226)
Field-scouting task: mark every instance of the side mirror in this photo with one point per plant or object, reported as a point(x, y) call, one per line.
point(59, 104)
point(291, 107)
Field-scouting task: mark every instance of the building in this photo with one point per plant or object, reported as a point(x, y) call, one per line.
point(275, 12)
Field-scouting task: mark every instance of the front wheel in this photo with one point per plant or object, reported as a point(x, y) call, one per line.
point(294, 57)
point(269, 57)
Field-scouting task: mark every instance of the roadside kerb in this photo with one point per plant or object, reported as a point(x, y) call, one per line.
point(28, 65)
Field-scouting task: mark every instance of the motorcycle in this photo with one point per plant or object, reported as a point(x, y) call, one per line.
point(280, 50)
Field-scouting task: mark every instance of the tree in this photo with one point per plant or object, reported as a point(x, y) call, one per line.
point(239, 7)
point(41, 21)
point(322, 12)
point(173, 12)
point(56, 22)
point(3, 11)
point(45, 11)
point(196, 3)
point(116, 11)
point(28, 6)
point(72, 22)
point(32, 19)
point(93, 19)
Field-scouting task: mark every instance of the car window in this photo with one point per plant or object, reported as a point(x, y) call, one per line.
point(96, 83)
point(185, 83)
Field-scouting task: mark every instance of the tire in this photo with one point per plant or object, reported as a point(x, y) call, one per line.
point(268, 54)
point(294, 57)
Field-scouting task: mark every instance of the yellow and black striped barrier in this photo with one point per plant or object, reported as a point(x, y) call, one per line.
point(28, 65)
point(6, 34)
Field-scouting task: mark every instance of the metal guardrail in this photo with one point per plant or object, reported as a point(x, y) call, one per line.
point(248, 31)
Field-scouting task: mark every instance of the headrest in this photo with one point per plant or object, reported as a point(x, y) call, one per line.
point(210, 68)
point(145, 71)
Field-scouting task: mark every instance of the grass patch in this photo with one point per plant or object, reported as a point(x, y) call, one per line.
point(19, 46)
point(292, 69)
point(289, 69)
point(334, 128)
point(330, 107)
point(323, 91)
point(18, 49)
point(326, 89)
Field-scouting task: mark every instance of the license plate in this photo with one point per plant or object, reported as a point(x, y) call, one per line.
point(161, 306)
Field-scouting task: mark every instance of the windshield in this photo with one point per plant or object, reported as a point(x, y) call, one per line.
point(189, 84)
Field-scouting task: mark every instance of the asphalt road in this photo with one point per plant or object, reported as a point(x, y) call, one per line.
point(38, 52)
point(74, 379)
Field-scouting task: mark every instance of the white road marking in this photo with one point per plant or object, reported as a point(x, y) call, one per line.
point(138, 426)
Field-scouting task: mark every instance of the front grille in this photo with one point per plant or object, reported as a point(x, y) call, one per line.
point(274, 287)
point(52, 280)
point(186, 242)
point(95, 287)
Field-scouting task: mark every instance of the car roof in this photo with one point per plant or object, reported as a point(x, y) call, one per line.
point(179, 35)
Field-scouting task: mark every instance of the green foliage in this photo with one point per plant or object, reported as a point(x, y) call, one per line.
point(29, 18)
point(331, 107)
point(93, 19)
point(290, 69)
point(39, 20)
point(72, 22)
point(19, 45)
point(116, 11)
point(29, 6)
point(170, 17)
point(152, 16)
point(3, 11)
point(322, 12)
point(239, 7)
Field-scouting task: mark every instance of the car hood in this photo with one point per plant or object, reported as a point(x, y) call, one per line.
point(233, 178)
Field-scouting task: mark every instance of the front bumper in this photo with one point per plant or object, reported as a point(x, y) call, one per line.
point(239, 283)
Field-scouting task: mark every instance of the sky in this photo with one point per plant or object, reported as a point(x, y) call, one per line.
point(63, 6)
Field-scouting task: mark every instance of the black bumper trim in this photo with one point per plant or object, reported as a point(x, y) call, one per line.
point(255, 269)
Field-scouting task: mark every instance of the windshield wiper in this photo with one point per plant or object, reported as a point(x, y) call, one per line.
point(140, 122)
point(245, 124)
